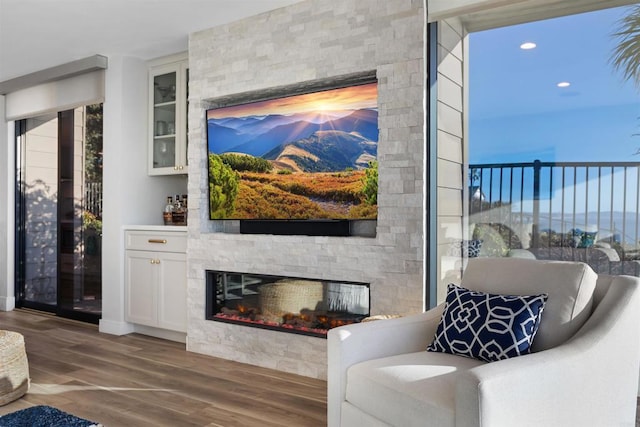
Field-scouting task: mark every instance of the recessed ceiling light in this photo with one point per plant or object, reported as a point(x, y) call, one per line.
point(564, 84)
point(528, 46)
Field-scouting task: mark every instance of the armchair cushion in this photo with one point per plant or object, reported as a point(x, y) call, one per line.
point(569, 285)
point(486, 326)
point(409, 389)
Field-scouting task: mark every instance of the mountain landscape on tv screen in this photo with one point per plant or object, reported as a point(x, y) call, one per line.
point(295, 158)
point(344, 139)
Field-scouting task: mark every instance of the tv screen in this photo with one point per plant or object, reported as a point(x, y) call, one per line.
point(301, 157)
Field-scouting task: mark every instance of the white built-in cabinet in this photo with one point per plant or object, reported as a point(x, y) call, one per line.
point(156, 279)
point(168, 94)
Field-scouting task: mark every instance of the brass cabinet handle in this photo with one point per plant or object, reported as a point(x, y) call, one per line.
point(157, 241)
point(155, 261)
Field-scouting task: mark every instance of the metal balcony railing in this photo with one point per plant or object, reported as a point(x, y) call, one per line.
point(93, 198)
point(554, 199)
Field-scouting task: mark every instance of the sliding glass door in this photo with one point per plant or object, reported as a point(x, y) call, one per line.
point(59, 212)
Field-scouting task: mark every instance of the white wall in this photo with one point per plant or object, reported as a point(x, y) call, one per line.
point(130, 195)
point(7, 183)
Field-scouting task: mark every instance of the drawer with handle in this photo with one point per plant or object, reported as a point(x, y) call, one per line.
point(165, 241)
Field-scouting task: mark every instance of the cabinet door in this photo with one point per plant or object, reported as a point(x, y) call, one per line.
point(167, 119)
point(141, 272)
point(172, 292)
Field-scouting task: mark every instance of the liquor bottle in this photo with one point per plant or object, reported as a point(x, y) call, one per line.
point(167, 214)
point(178, 215)
point(185, 208)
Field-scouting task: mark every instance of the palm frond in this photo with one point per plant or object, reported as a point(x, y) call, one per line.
point(625, 57)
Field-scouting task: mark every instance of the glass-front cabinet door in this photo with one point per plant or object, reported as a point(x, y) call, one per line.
point(168, 116)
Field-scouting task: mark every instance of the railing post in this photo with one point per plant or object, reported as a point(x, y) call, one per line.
point(535, 229)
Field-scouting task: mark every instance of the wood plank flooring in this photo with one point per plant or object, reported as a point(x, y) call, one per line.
point(135, 380)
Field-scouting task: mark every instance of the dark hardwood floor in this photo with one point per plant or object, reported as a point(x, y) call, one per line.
point(135, 380)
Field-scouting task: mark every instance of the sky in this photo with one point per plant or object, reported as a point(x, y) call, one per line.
point(517, 113)
point(349, 98)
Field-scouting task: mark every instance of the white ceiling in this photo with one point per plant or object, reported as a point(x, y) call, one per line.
point(38, 34)
point(478, 15)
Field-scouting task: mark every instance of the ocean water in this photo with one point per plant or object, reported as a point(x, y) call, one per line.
point(621, 227)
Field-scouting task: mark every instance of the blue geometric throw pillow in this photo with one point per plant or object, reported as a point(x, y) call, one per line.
point(487, 326)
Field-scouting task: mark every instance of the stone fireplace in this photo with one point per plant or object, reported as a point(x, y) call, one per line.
point(287, 304)
point(309, 43)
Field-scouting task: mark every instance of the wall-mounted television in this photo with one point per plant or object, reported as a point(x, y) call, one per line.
point(305, 157)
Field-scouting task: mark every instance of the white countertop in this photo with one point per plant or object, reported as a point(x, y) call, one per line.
point(155, 227)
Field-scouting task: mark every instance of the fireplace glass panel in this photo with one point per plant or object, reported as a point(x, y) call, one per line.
point(303, 306)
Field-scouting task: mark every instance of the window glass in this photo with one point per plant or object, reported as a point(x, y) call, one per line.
point(59, 215)
point(553, 141)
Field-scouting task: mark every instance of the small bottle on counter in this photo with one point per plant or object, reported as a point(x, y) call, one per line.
point(178, 215)
point(185, 208)
point(167, 214)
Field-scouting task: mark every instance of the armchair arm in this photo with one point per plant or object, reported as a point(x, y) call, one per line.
point(351, 344)
point(592, 379)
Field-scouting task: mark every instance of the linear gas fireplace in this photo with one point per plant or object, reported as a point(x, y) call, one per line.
point(302, 306)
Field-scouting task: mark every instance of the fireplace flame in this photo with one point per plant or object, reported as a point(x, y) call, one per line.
point(334, 323)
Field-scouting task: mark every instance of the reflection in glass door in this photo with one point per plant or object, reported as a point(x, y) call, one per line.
point(59, 213)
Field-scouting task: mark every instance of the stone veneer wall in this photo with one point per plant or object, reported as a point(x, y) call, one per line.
point(311, 41)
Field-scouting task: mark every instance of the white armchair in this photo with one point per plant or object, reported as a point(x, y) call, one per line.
point(583, 370)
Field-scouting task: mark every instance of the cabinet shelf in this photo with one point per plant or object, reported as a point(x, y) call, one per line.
point(165, 104)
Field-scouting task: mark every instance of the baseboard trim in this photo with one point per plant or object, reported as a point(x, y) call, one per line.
point(114, 327)
point(7, 303)
point(164, 334)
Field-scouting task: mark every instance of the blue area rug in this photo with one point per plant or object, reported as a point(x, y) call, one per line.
point(43, 416)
